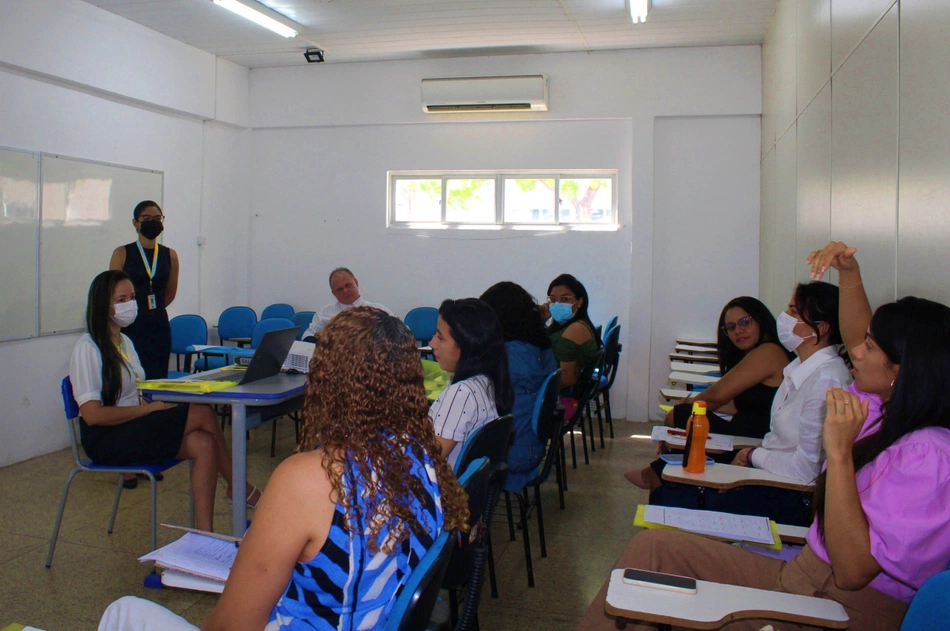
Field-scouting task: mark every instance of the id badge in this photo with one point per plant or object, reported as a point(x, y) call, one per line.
point(152, 302)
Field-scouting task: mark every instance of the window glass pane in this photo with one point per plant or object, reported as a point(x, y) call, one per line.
point(418, 200)
point(586, 200)
point(470, 201)
point(529, 200)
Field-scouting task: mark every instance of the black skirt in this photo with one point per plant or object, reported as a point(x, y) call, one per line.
point(146, 440)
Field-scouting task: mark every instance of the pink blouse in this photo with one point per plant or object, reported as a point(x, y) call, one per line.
point(906, 498)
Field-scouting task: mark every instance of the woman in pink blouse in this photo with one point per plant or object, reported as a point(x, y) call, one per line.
point(882, 526)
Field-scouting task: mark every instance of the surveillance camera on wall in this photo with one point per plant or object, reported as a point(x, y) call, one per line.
point(313, 55)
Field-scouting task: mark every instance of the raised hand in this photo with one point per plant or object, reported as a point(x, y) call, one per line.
point(836, 254)
point(844, 419)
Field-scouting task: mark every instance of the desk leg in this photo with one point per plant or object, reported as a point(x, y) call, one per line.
point(239, 468)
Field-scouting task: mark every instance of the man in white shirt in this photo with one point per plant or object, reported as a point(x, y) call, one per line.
point(346, 290)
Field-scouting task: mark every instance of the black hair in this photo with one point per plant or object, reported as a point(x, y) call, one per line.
point(730, 354)
point(816, 302)
point(477, 332)
point(141, 206)
point(518, 313)
point(914, 333)
point(577, 288)
point(98, 317)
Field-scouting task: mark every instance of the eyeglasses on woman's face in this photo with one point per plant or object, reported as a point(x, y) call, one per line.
point(148, 218)
point(741, 323)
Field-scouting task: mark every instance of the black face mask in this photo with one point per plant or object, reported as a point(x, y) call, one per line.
point(151, 229)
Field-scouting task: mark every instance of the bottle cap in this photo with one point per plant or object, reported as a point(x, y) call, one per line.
point(699, 407)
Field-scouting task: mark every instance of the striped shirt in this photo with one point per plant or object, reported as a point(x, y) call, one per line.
point(461, 409)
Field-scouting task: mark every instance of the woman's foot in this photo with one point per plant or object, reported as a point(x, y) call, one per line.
point(645, 478)
point(253, 496)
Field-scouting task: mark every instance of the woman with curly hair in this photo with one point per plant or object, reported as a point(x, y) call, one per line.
point(346, 520)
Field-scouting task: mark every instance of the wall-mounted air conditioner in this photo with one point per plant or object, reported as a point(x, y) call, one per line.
point(485, 94)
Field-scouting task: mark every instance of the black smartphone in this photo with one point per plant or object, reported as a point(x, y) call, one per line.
point(672, 582)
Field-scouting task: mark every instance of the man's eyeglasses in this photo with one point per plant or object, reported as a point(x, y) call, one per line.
point(148, 218)
point(564, 300)
point(743, 323)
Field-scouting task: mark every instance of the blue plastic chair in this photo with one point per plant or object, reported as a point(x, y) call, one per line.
point(303, 320)
point(71, 408)
point(270, 324)
point(236, 322)
point(415, 603)
point(277, 310)
point(610, 324)
point(422, 321)
point(930, 608)
point(612, 349)
point(187, 331)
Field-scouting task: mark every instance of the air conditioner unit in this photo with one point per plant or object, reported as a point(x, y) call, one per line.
point(527, 93)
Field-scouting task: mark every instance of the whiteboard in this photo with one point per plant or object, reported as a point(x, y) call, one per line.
point(19, 213)
point(86, 212)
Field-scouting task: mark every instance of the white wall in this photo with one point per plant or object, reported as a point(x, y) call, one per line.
point(856, 143)
point(324, 138)
point(123, 95)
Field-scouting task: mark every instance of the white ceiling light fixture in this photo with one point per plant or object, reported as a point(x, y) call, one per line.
point(638, 10)
point(256, 16)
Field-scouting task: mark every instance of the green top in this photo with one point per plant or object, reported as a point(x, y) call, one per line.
point(568, 351)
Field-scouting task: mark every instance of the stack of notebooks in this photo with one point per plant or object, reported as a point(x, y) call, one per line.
point(199, 561)
point(726, 526)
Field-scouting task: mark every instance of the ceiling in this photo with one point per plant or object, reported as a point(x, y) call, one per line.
point(377, 30)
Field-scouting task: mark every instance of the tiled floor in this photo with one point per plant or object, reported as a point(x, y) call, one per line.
point(92, 568)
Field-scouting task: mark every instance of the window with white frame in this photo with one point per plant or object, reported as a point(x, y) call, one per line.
point(577, 200)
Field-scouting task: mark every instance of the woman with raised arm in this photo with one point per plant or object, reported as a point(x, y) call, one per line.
point(751, 361)
point(882, 525)
point(118, 427)
point(346, 520)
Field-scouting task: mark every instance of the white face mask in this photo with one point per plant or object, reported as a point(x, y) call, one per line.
point(125, 313)
point(786, 335)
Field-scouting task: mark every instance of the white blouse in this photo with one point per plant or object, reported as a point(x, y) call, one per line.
point(85, 372)
point(461, 409)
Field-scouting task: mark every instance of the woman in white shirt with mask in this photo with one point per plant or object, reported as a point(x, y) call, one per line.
point(792, 448)
point(117, 427)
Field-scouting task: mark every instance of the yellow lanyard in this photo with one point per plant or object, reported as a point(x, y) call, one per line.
point(149, 270)
point(128, 360)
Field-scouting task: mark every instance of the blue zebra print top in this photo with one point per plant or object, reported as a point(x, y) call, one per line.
point(345, 587)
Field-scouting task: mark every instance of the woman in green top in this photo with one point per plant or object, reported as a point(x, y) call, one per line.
point(572, 334)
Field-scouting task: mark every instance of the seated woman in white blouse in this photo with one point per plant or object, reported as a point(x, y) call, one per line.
point(469, 343)
point(792, 448)
point(117, 427)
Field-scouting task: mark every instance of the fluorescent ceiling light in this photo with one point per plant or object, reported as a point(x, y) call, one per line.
point(257, 17)
point(638, 10)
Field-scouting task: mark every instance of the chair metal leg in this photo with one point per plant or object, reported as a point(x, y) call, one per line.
point(584, 439)
point(573, 449)
point(491, 564)
point(154, 485)
point(559, 473)
point(59, 516)
point(600, 422)
point(511, 519)
point(273, 437)
point(115, 504)
point(537, 503)
point(191, 496)
point(610, 417)
point(524, 535)
point(590, 424)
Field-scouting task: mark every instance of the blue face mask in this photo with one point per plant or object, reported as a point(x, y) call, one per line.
point(561, 312)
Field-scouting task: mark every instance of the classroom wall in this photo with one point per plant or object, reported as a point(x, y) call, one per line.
point(856, 143)
point(325, 136)
point(126, 95)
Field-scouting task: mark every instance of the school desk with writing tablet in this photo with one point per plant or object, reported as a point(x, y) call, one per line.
point(695, 359)
point(702, 369)
point(727, 476)
point(692, 378)
point(704, 343)
point(715, 604)
point(692, 349)
point(673, 394)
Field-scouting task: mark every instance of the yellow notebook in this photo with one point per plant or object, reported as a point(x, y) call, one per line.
point(641, 522)
point(179, 385)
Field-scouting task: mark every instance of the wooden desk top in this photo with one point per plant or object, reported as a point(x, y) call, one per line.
point(727, 476)
point(715, 604)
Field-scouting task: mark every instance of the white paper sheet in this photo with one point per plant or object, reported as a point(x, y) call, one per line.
point(713, 523)
point(196, 554)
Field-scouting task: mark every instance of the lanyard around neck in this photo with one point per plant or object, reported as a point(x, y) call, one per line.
point(149, 270)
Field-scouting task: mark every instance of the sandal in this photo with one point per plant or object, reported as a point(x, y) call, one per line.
point(254, 490)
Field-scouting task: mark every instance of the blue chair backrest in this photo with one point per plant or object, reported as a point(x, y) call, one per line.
point(236, 322)
point(70, 407)
point(422, 321)
point(270, 324)
point(610, 324)
point(415, 603)
point(188, 330)
point(302, 319)
point(545, 405)
point(491, 440)
point(930, 608)
point(277, 310)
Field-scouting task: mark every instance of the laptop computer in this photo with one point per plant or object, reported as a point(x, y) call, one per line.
point(267, 360)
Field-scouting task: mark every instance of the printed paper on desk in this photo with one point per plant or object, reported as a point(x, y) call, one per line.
point(196, 554)
point(713, 523)
point(662, 433)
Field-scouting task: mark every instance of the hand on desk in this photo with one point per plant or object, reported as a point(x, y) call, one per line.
point(742, 458)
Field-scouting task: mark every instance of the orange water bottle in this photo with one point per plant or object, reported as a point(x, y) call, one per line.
point(697, 431)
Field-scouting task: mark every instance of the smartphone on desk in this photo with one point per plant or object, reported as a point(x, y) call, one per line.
point(677, 459)
point(658, 580)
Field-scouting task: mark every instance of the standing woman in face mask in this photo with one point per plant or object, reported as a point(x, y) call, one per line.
point(153, 269)
point(573, 339)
